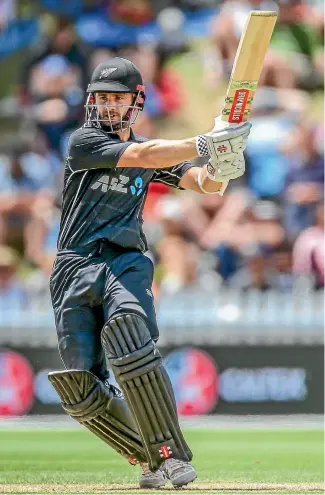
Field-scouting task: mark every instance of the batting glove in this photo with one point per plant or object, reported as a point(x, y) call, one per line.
point(224, 141)
point(225, 170)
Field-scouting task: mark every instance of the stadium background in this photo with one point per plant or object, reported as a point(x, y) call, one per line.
point(239, 279)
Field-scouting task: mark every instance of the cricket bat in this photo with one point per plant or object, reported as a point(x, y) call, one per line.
point(248, 65)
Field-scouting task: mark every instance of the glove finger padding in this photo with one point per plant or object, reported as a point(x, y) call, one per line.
point(239, 144)
point(239, 161)
point(223, 171)
point(236, 162)
point(228, 158)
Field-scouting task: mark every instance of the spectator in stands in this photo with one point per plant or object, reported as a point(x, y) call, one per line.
point(304, 188)
point(240, 221)
point(263, 224)
point(130, 12)
point(58, 98)
point(203, 219)
point(316, 19)
point(7, 12)
point(267, 165)
point(308, 252)
point(53, 77)
point(280, 263)
point(41, 164)
point(63, 42)
point(237, 225)
point(170, 87)
point(178, 264)
point(171, 215)
point(165, 92)
point(97, 57)
point(71, 8)
point(181, 268)
point(12, 295)
point(173, 41)
point(254, 274)
point(226, 29)
point(37, 286)
point(295, 46)
point(26, 190)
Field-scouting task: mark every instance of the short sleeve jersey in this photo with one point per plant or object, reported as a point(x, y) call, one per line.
point(101, 201)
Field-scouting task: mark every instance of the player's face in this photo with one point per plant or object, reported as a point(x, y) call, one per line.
point(112, 107)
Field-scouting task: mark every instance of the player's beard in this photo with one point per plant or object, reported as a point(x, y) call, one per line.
point(116, 121)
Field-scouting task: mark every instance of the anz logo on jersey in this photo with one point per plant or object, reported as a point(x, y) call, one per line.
point(119, 184)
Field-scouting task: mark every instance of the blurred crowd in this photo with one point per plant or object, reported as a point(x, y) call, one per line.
point(267, 232)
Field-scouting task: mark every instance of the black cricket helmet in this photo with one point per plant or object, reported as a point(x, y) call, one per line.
point(116, 75)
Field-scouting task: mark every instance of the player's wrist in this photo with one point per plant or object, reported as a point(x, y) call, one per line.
point(214, 173)
point(204, 183)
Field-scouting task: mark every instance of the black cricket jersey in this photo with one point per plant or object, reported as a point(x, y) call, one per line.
point(101, 201)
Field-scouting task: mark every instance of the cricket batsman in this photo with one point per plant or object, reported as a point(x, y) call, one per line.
point(101, 279)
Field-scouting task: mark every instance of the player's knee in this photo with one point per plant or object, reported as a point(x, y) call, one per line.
point(80, 354)
point(129, 346)
point(83, 395)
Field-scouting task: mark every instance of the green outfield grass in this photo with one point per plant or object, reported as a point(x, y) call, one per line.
point(236, 461)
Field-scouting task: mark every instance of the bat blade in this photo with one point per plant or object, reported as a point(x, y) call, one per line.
point(248, 65)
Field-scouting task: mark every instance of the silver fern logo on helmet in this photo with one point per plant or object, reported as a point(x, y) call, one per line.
point(106, 72)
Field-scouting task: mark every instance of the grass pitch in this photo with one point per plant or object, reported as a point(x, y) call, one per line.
point(227, 461)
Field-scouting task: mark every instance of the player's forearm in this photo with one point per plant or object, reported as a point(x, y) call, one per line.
point(159, 153)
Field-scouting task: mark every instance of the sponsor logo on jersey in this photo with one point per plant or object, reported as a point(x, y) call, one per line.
point(108, 183)
point(119, 184)
point(137, 188)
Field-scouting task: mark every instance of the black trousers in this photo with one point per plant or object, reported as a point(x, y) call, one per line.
point(89, 287)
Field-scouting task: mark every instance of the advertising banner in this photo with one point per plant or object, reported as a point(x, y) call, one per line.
point(37, 392)
point(216, 379)
point(247, 379)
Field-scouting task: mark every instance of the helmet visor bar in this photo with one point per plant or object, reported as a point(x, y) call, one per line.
point(127, 114)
